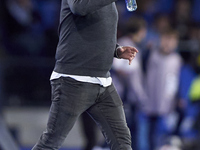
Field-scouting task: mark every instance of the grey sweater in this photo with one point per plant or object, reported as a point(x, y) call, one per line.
point(87, 37)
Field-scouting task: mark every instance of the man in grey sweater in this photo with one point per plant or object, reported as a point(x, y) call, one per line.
point(81, 80)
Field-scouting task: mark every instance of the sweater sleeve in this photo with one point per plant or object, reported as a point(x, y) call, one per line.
point(83, 7)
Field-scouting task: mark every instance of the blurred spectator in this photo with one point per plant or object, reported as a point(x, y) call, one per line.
point(187, 75)
point(129, 79)
point(162, 84)
point(21, 30)
point(165, 6)
point(182, 17)
point(194, 91)
point(195, 11)
point(160, 24)
point(195, 98)
point(147, 9)
point(30, 27)
point(150, 8)
point(49, 19)
point(190, 125)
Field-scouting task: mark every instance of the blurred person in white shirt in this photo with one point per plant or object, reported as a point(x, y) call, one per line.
point(162, 78)
point(128, 79)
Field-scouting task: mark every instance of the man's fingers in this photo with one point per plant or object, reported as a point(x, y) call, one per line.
point(130, 62)
point(134, 50)
point(134, 54)
point(130, 59)
point(129, 53)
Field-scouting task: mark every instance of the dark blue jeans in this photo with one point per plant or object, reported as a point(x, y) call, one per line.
point(70, 98)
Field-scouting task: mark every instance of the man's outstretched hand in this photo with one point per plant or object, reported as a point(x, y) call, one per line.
point(127, 52)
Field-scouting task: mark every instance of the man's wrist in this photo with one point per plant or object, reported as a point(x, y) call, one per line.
point(116, 52)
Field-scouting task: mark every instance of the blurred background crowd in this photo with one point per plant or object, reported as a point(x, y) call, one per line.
point(160, 89)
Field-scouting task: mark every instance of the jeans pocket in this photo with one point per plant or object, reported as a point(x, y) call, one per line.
point(55, 90)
